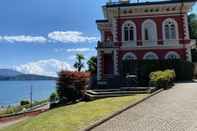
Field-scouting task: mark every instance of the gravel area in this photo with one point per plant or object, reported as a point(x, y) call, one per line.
point(170, 110)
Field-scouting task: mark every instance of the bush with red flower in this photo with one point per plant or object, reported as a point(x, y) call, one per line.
point(72, 86)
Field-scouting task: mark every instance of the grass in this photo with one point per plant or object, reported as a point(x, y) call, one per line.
point(74, 117)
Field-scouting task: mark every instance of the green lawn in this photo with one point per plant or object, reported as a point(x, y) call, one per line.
point(74, 117)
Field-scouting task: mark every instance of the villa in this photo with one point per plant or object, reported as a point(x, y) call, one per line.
point(142, 31)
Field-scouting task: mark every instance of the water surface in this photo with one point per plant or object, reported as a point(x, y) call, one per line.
point(12, 92)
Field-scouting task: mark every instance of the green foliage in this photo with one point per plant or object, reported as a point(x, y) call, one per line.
point(92, 65)
point(192, 20)
point(24, 102)
point(162, 79)
point(54, 97)
point(79, 64)
point(142, 68)
point(194, 55)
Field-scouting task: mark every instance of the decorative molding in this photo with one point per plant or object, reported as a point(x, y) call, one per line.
point(114, 30)
point(115, 62)
point(131, 55)
point(99, 63)
point(188, 54)
point(186, 27)
point(172, 53)
point(148, 54)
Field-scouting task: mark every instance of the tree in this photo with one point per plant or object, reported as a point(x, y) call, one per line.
point(79, 64)
point(92, 65)
point(192, 20)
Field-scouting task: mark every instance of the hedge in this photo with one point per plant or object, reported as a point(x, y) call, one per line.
point(142, 68)
point(162, 79)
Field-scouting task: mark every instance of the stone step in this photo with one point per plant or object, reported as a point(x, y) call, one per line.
point(115, 92)
point(93, 97)
point(104, 93)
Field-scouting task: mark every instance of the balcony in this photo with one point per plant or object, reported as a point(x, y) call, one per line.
point(151, 44)
point(108, 44)
point(147, 44)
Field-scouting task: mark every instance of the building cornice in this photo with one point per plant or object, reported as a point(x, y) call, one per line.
point(119, 4)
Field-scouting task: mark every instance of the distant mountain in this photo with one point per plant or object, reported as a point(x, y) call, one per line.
point(9, 73)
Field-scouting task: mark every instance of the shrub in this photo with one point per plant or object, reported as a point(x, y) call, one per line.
point(71, 85)
point(162, 79)
point(53, 97)
point(24, 103)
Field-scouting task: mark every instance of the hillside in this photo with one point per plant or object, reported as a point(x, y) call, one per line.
point(8, 74)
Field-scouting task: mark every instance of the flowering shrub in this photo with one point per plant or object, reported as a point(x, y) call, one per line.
point(72, 85)
point(162, 79)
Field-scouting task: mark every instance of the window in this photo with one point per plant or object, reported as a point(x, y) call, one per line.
point(170, 29)
point(129, 56)
point(150, 56)
point(146, 34)
point(149, 31)
point(172, 55)
point(129, 31)
point(126, 34)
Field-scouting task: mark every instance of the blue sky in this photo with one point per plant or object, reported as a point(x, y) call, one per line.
point(35, 35)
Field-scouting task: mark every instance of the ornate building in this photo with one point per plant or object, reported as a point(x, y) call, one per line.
point(145, 30)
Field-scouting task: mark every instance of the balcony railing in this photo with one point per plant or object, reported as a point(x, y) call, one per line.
point(138, 44)
point(108, 44)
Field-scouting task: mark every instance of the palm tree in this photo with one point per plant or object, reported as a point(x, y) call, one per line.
point(79, 64)
point(92, 65)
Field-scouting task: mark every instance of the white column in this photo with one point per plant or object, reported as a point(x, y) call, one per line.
point(114, 30)
point(115, 62)
point(99, 65)
point(186, 28)
point(188, 54)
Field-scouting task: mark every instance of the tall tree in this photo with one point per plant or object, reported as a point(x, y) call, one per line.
point(92, 65)
point(79, 64)
point(192, 20)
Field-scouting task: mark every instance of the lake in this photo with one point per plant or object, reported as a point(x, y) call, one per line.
point(12, 92)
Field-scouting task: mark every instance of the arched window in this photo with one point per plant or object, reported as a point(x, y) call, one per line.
point(129, 56)
point(149, 31)
point(150, 56)
point(170, 29)
point(129, 31)
point(172, 55)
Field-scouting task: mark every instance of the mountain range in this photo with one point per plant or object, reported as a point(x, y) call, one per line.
point(9, 74)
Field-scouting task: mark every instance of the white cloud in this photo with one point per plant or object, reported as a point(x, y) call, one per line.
point(24, 38)
point(74, 50)
point(70, 37)
point(48, 67)
point(80, 50)
point(56, 36)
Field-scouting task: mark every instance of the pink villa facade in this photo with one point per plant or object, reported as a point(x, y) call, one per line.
point(145, 30)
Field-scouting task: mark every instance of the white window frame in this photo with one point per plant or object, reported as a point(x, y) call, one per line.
point(149, 42)
point(176, 28)
point(134, 30)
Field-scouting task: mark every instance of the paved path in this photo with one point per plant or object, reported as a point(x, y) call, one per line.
point(5, 124)
point(171, 110)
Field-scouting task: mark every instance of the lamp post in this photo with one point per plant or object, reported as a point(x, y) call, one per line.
point(31, 95)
